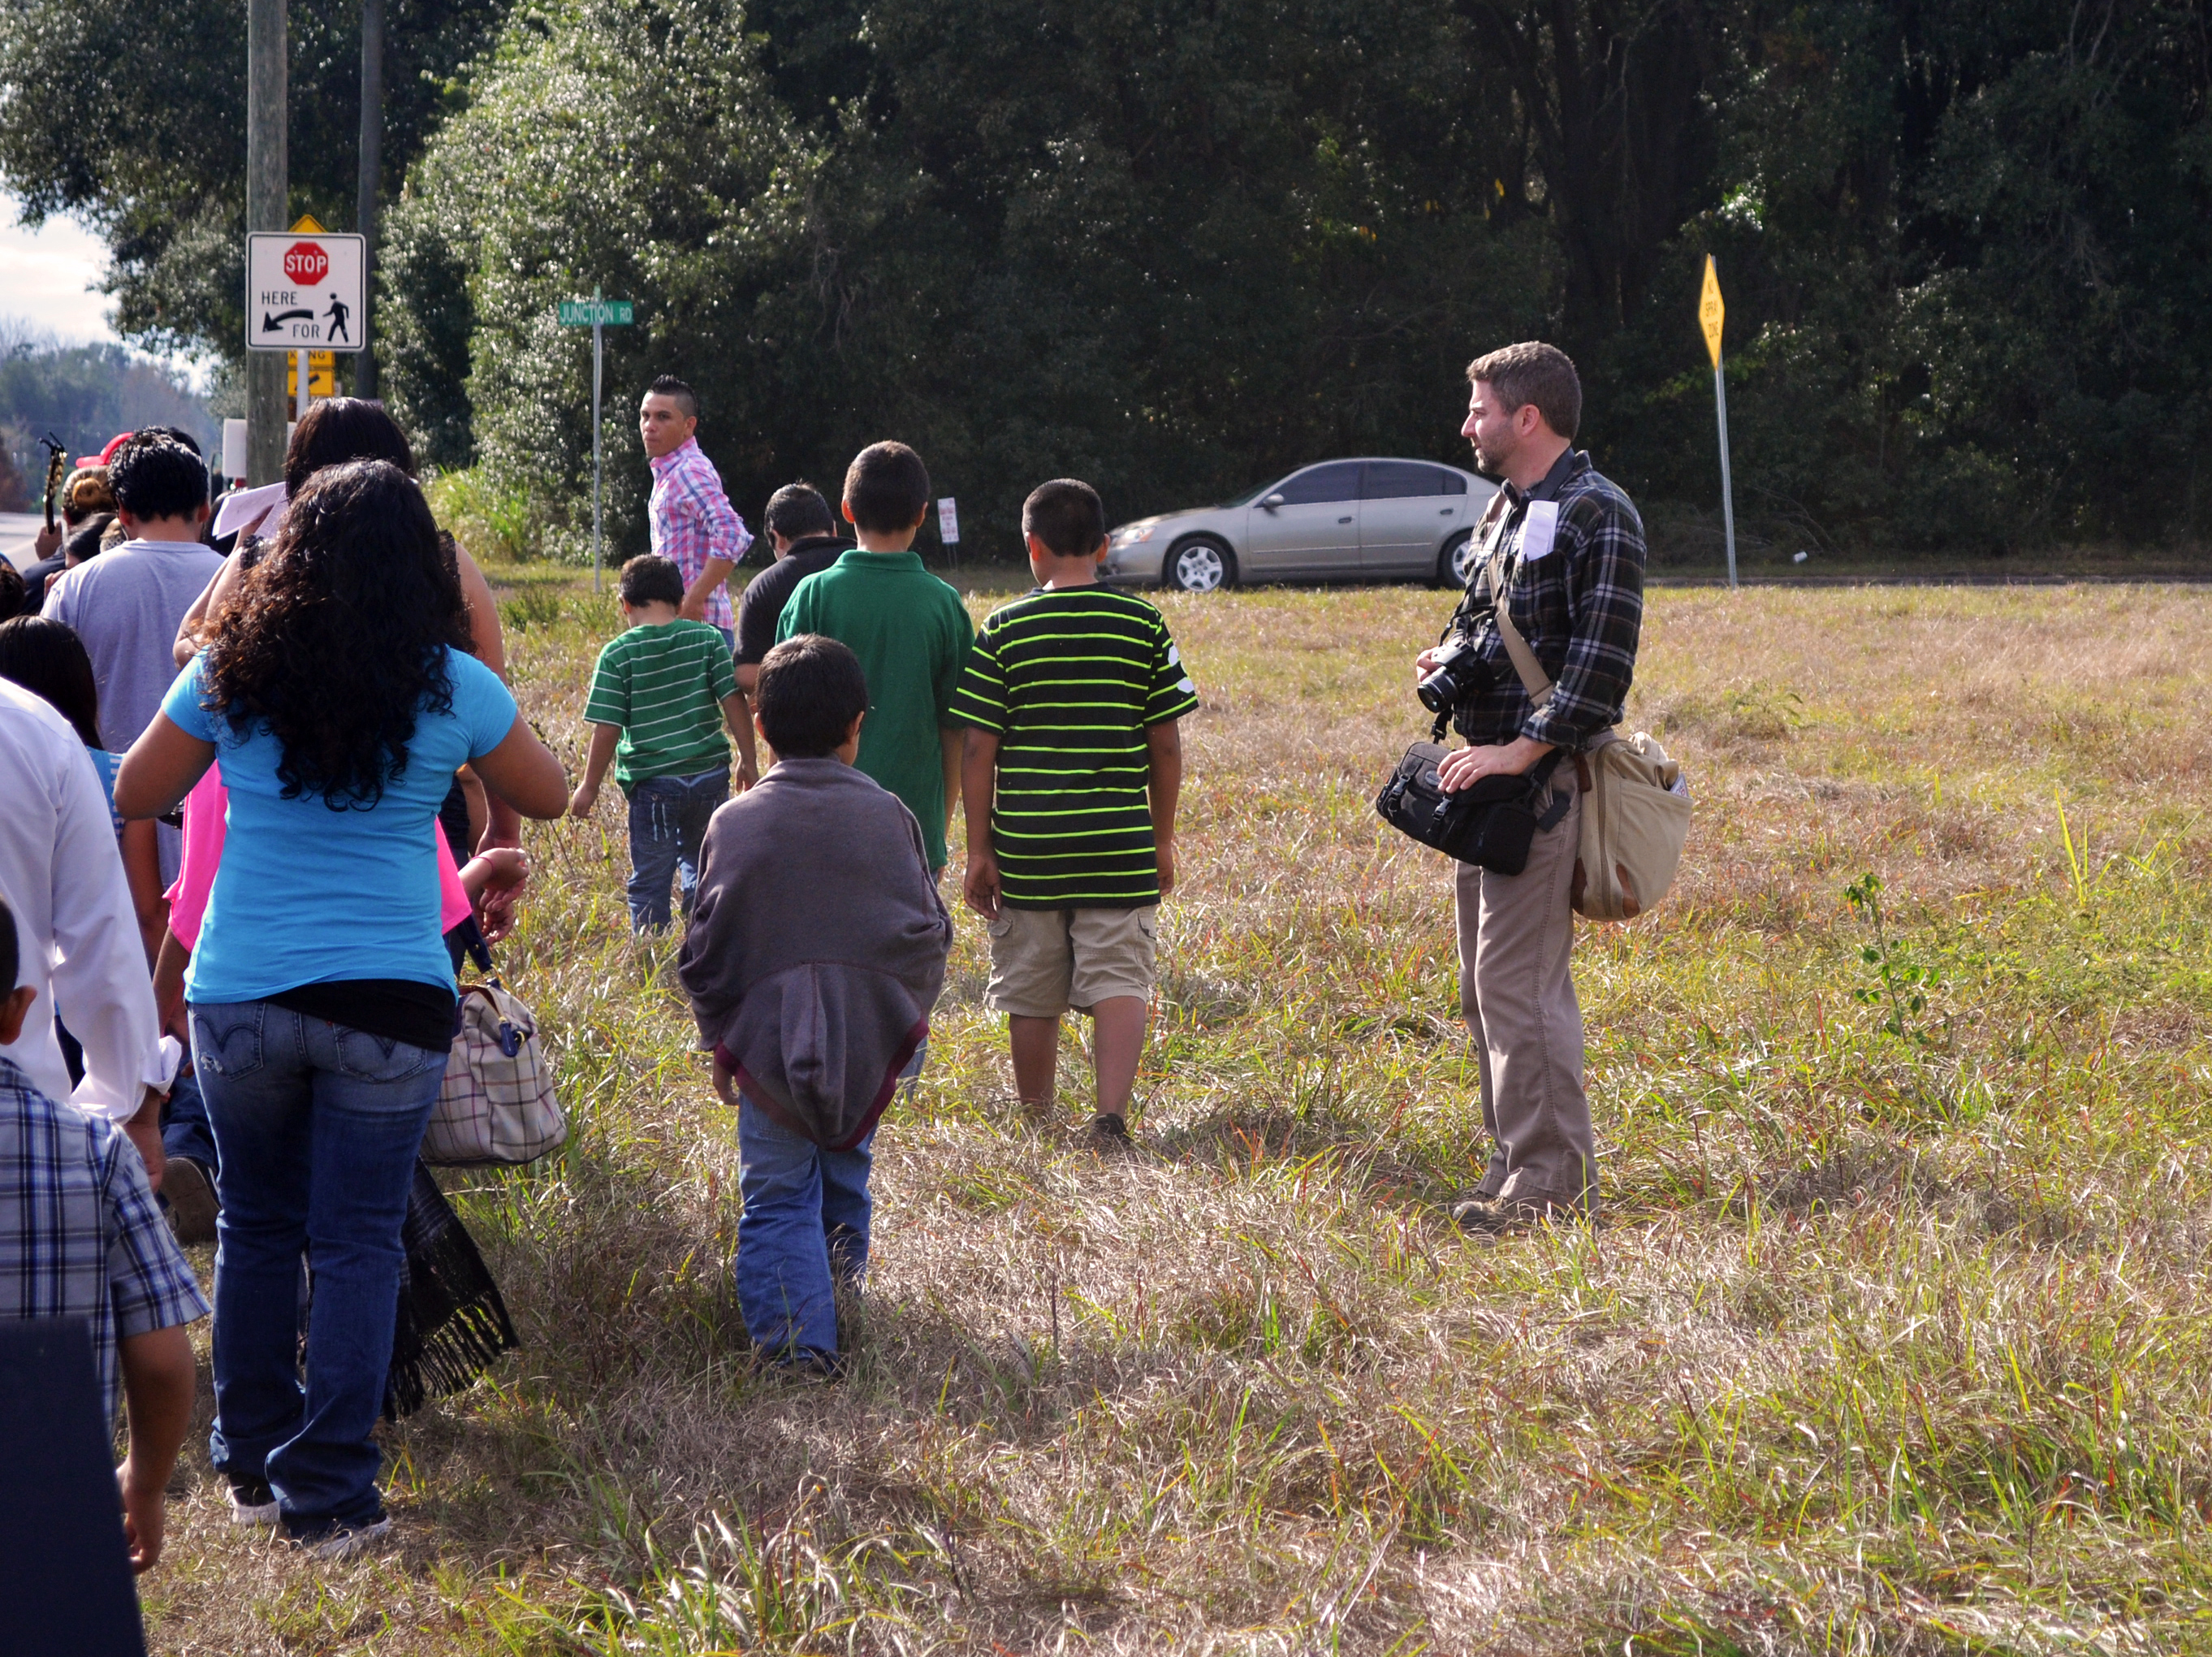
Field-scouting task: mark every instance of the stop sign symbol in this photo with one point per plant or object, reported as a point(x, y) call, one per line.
point(306, 263)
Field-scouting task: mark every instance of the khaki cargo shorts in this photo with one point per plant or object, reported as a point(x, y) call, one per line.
point(1044, 961)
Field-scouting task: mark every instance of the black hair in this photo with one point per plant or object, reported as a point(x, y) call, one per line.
point(648, 578)
point(1066, 515)
point(341, 429)
point(155, 477)
point(810, 690)
point(798, 509)
point(11, 590)
point(887, 486)
point(667, 384)
point(47, 659)
point(174, 434)
point(11, 957)
point(89, 541)
point(337, 639)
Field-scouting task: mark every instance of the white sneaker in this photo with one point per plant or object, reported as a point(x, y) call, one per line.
point(244, 1512)
point(348, 1542)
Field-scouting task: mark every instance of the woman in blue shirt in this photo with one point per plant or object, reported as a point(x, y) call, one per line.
point(338, 693)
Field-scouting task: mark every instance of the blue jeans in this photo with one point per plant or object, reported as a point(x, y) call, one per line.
point(668, 818)
point(804, 1232)
point(185, 1128)
point(318, 1126)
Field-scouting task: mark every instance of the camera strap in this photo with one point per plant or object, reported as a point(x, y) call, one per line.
point(1491, 530)
point(1534, 679)
point(1489, 533)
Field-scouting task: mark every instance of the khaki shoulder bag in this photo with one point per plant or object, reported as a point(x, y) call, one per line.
point(1636, 807)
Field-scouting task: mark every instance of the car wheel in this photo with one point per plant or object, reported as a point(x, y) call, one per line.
point(1200, 566)
point(1455, 563)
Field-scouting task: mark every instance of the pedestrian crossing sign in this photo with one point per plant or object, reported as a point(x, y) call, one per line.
point(304, 291)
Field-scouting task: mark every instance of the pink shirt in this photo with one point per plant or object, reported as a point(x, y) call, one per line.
point(207, 822)
point(691, 520)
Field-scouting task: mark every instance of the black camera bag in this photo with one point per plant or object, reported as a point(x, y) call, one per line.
point(1491, 824)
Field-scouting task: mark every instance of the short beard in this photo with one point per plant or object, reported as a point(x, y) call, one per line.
point(1493, 464)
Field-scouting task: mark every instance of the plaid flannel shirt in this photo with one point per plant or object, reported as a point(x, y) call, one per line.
point(691, 521)
point(1580, 606)
point(80, 1233)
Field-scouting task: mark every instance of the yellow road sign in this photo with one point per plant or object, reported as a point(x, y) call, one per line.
point(308, 225)
point(322, 374)
point(1711, 311)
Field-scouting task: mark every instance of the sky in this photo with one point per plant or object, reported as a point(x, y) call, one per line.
point(46, 275)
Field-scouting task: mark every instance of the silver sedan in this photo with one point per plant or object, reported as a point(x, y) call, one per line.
point(1356, 520)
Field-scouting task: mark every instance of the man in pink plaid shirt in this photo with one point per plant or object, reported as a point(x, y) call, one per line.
point(692, 520)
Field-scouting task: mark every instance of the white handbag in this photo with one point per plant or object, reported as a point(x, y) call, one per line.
point(497, 1103)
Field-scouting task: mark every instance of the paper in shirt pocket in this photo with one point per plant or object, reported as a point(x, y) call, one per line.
point(1538, 530)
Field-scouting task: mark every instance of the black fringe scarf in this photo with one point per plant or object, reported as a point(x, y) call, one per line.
point(452, 1324)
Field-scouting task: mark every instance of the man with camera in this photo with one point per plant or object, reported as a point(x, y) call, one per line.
point(1565, 547)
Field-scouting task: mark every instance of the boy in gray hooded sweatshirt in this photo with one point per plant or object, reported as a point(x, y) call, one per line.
point(815, 950)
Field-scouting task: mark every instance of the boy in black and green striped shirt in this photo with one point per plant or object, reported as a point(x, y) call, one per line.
point(1072, 764)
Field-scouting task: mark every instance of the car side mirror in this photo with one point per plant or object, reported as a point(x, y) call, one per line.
point(1273, 501)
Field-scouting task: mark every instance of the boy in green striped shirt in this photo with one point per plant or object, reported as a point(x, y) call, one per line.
point(1073, 762)
point(660, 694)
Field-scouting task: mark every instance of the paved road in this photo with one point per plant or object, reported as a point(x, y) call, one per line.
point(17, 529)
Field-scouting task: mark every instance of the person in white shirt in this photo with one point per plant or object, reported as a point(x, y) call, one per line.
point(126, 603)
point(76, 936)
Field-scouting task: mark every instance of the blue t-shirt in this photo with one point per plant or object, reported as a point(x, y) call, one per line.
point(309, 895)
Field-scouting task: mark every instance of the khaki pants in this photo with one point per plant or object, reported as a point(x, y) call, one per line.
point(1515, 933)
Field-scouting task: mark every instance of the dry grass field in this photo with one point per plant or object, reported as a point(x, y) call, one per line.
point(1897, 1339)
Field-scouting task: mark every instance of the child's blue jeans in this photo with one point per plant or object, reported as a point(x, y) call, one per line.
point(804, 1232)
point(668, 818)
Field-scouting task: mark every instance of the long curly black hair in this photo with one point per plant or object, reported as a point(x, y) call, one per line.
point(337, 639)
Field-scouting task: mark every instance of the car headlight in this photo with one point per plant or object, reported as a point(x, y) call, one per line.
point(1130, 534)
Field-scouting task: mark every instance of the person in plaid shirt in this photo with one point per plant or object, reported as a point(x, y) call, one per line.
point(691, 520)
point(1572, 576)
point(81, 1237)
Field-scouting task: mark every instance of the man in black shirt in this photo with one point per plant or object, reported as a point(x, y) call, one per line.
point(806, 541)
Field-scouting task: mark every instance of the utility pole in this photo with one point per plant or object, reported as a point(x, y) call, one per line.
point(267, 185)
point(372, 158)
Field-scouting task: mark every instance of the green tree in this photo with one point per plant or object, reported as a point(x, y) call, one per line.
point(615, 144)
point(130, 115)
point(1175, 248)
point(1169, 252)
point(1966, 248)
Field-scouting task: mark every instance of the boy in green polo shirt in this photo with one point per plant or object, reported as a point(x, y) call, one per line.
point(909, 629)
point(660, 694)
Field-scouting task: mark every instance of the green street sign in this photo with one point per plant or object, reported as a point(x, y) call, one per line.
point(604, 313)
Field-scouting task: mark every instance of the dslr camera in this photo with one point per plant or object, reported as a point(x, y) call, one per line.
point(1459, 673)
